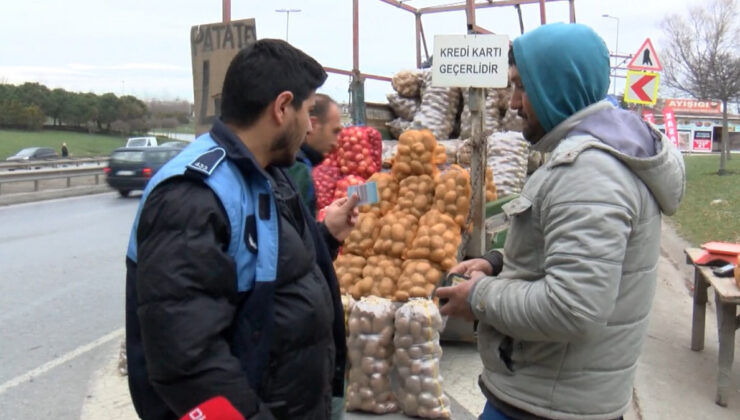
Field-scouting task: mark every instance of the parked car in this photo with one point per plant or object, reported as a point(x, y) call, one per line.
point(131, 168)
point(175, 143)
point(33, 153)
point(141, 142)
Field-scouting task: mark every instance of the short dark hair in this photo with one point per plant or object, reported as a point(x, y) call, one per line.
point(260, 72)
point(321, 107)
point(512, 60)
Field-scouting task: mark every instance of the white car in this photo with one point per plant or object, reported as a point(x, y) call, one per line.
point(141, 142)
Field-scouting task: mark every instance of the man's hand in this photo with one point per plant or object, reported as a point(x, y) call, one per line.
point(467, 268)
point(457, 298)
point(341, 217)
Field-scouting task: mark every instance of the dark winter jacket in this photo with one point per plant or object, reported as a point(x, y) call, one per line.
point(199, 325)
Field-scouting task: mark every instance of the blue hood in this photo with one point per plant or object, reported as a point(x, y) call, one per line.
point(564, 68)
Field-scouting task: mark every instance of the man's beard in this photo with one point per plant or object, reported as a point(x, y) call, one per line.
point(280, 150)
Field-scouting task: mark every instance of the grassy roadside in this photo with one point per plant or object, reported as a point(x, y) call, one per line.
point(710, 210)
point(79, 144)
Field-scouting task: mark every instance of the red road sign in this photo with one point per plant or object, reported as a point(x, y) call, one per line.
point(645, 58)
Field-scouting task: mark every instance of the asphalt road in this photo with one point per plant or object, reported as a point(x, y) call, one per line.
point(61, 300)
point(61, 311)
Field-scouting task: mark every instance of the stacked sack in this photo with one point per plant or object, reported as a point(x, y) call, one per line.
point(370, 354)
point(438, 109)
point(507, 155)
point(405, 102)
point(491, 114)
point(453, 193)
point(416, 360)
point(358, 155)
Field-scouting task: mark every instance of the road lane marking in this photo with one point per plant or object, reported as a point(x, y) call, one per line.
point(20, 379)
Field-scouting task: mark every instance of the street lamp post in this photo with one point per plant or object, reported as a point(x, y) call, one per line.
point(616, 52)
point(287, 18)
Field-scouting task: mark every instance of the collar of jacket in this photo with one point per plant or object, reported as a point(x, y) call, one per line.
point(236, 151)
point(552, 139)
point(313, 155)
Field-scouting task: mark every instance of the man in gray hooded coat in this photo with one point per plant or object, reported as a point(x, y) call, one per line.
point(561, 327)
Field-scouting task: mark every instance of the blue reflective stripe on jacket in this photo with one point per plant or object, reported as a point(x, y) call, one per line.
point(240, 199)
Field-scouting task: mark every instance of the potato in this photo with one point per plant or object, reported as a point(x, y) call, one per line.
point(396, 234)
point(416, 194)
point(415, 154)
point(453, 193)
point(369, 345)
point(362, 238)
point(417, 362)
point(437, 240)
point(349, 272)
point(387, 194)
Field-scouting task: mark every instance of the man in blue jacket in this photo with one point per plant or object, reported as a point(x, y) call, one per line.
point(230, 287)
point(561, 327)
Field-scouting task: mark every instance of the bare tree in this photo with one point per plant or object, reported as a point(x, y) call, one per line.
point(702, 59)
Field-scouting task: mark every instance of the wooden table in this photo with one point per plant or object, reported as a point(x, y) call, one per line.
point(727, 297)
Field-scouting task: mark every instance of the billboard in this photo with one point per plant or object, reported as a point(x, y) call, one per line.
point(702, 141)
point(212, 48)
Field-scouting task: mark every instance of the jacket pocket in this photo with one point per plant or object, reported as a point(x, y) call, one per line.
point(495, 350)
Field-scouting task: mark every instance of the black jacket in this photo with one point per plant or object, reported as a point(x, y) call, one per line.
point(183, 309)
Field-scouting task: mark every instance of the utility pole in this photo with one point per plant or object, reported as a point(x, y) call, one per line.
point(287, 18)
point(616, 52)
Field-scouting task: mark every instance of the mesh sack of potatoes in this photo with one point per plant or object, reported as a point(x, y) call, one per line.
point(451, 147)
point(491, 118)
point(416, 194)
point(414, 154)
point(508, 157)
point(384, 272)
point(387, 194)
point(418, 279)
point(491, 193)
point(407, 83)
point(404, 108)
point(436, 240)
point(511, 121)
point(416, 360)
point(362, 238)
point(369, 349)
point(438, 109)
point(453, 192)
point(349, 273)
point(398, 126)
point(389, 151)
point(348, 303)
point(397, 229)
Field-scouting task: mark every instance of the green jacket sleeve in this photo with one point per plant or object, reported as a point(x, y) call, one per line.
point(301, 177)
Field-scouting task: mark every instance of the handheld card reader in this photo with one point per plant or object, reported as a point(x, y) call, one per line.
point(448, 280)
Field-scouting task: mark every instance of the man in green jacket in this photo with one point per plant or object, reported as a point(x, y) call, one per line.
point(561, 327)
point(326, 123)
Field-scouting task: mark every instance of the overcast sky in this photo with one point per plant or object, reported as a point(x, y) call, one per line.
point(142, 47)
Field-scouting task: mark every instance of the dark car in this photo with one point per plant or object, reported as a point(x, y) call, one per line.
point(130, 168)
point(33, 153)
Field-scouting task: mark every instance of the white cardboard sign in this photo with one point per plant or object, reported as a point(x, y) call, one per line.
point(470, 61)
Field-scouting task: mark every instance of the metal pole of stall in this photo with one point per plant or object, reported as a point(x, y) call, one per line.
point(476, 244)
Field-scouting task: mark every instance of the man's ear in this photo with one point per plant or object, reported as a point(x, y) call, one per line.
point(280, 106)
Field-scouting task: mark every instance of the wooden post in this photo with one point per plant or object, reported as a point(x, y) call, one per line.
point(418, 41)
point(726, 326)
point(476, 245)
point(698, 321)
